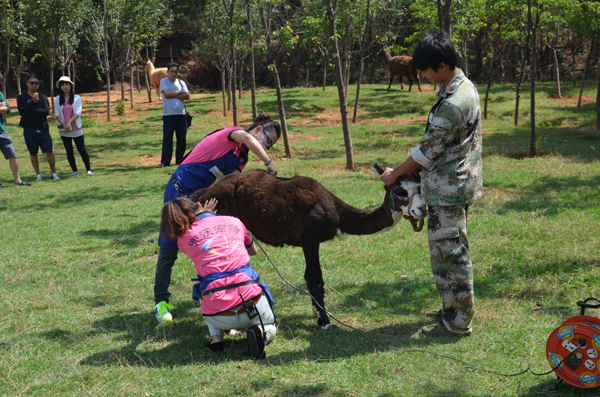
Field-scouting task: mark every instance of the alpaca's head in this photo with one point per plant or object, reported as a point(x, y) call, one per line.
point(149, 66)
point(405, 195)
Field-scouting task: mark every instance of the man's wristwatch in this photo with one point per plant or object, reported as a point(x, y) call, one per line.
point(268, 162)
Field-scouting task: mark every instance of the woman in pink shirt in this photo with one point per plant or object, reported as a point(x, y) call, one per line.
point(67, 110)
point(230, 292)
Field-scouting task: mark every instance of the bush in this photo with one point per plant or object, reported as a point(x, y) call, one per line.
point(120, 107)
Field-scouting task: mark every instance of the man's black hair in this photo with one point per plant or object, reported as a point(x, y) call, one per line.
point(172, 64)
point(31, 76)
point(436, 47)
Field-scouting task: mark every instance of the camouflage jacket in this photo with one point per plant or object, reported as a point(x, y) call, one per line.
point(450, 150)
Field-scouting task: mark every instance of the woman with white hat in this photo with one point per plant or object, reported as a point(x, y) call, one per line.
point(67, 109)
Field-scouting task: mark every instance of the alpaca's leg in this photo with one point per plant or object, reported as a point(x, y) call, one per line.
point(409, 82)
point(401, 86)
point(315, 284)
point(418, 84)
point(391, 79)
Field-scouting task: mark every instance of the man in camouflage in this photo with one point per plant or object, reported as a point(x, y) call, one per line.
point(451, 178)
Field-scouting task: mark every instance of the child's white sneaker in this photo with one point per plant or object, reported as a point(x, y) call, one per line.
point(54, 176)
point(38, 177)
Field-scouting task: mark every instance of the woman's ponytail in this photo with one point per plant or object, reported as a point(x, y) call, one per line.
point(177, 215)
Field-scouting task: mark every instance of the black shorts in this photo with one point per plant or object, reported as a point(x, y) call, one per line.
point(35, 139)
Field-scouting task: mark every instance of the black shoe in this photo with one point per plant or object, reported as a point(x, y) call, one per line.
point(23, 183)
point(0, 186)
point(256, 344)
point(161, 165)
point(440, 329)
point(436, 316)
point(215, 347)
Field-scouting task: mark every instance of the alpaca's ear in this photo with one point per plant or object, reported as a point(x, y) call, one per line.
point(377, 168)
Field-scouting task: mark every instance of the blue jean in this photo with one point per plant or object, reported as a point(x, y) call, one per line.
point(171, 124)
point(162, 276)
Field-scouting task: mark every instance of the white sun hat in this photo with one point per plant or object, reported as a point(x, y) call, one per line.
point(64, 78)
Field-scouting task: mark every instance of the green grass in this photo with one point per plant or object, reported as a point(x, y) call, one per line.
point(78, 258)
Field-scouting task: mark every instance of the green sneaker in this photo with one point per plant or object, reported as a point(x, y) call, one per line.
point(163, 315)
point(440, 329)
point(435, 316)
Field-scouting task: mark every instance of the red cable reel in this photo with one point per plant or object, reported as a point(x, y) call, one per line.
point(575, 348)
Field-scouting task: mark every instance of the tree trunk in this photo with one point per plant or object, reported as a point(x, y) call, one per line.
point(340, 85)
point(223, 89)
point(573, 49)
point(19, 83)
point(558, 94)
point(466, 60)
point(52, 65)
point(229, 88)
point(325, 56)
point(554, 45)
point(284, 131)
point(123, 83)
point(137, 72)
point(233, 96)
point(6, 66)
point(131, 84)
point(520, 80)
point(251, 45)
point(362, 62)
point(108, 95)
point(74, 79)
point(147, 76)
point(598, 100)
point(446, 16)
point(240, 81)
point(587, 65)
point(489, 84)
point(532, 148)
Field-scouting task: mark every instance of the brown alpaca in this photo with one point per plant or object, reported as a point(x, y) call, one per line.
point(156, 75)
point(401, 66)
point(300, 212)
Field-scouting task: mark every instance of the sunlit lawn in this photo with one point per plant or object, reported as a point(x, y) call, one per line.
point(78, 255)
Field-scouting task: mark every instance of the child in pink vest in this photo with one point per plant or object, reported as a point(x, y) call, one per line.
point(220, 247)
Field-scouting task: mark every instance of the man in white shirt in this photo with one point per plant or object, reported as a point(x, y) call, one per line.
point(174, 92)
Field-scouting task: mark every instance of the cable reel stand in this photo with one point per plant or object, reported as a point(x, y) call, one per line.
point(575, 348)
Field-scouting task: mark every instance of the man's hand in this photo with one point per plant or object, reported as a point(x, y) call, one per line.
point(35, 99)
point(388, 177)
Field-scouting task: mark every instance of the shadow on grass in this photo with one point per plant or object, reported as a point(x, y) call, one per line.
point(551, 194)
point(187, 336)
point(130, 236)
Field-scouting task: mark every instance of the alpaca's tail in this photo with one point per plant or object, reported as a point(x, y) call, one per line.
point(150, 67)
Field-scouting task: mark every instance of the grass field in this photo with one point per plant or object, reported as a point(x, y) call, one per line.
point(78, 255)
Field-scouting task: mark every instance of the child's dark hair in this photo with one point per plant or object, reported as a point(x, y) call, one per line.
point(61, 95)
point(436, 47)
point(267, 124)
point(177, 216)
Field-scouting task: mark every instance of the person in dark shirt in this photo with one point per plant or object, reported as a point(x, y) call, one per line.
point(34, 110)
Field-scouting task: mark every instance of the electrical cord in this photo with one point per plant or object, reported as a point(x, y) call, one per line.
point(466, 368)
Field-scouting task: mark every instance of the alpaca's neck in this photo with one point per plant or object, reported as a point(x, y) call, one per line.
point(150, 67)
point(358, 221)
point(386, 57)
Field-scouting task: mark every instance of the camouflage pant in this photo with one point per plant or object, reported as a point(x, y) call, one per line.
point(451, 264)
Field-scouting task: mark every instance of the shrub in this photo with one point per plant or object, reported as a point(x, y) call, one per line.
point(120, 107)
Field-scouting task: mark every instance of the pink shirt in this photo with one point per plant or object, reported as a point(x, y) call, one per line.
point(218, 244)
point(67, 114)
point(214, 146)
